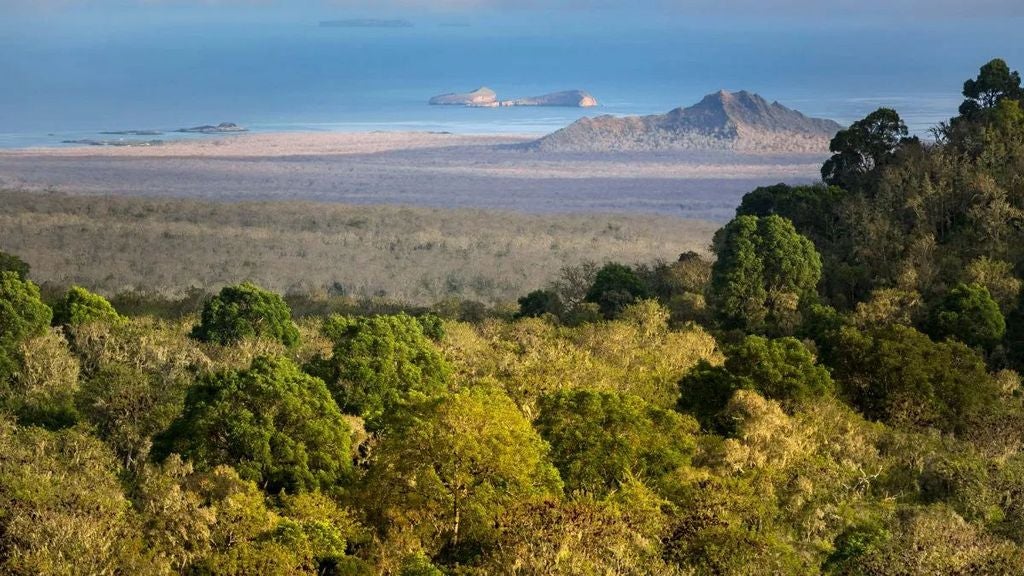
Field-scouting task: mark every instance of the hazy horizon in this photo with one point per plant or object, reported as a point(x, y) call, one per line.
point(80, 67)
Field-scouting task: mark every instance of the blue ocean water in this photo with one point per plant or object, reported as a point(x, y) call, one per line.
point(66, 78)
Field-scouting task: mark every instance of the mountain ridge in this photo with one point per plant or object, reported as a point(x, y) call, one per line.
point(737, 121)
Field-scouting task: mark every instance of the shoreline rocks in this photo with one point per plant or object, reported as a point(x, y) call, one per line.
point(222, 128)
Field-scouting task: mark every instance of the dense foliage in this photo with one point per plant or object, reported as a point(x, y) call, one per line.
point(379, 363)
point(246, 311)
point(764, 274)
point(835, 394)
point(79, 306)
point(278, 427)
point(22, 316)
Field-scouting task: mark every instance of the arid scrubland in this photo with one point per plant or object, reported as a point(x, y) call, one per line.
point(416, 255)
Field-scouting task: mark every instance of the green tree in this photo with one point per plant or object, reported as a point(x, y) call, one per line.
point(129, 407)
point(704, 392)
point(811, 209)
point(279, 427)
point(79, 306)
point(62, 510)
point(997, 276)
point(899, 376)
point(22, 316)
point(863, 147)
point(11, 263)
point(924, 541)
point(969, 314)
point(538, 303)
point(380, 362)
point(620, 534)
point(419, 565)
point(600, 439)
point(213, 522)
point(246, 311)
point(615, 287)
point(43, 390)
point(764, 273)
point(134, 378)
point(447, 467)
point(782, 369)
point(995, 83)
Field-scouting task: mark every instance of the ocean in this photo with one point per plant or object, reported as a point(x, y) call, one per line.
point(70, 79)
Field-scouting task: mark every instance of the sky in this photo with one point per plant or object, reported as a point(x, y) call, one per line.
point(738, 9)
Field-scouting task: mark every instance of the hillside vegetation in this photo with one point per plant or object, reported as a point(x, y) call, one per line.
point(837, 393)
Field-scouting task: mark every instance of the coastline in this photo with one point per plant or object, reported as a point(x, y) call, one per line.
point(410, 168)
point(292, 143)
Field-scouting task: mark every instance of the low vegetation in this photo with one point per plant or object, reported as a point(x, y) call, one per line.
point(417, 256)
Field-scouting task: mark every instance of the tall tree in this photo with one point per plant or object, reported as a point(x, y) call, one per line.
point(600, 439)
point(246, 311)
point(765, 271)
point(446, 468)
point(863, 147)
point(615, 287)
point(995, 83)
point(279, 427)
point(23, 315)
point(380, 362)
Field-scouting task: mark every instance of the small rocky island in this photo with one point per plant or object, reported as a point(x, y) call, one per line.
point(486, 98)
point(222, 128)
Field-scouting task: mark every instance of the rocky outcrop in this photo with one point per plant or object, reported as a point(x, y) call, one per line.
point(568, 98)
point(487, 98)
point(222, 128)
point(133, 133)
point(480, 97)
point(735, 121)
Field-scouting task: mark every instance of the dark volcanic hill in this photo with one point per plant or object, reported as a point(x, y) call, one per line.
point(737, 121)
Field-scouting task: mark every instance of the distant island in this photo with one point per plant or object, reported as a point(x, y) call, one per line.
point(115, 143)
point(366, 23)
point(735, 121)
point(133, 133)
point(486, 98)
point(222, 128)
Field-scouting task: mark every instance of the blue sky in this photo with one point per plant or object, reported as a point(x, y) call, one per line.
point(917, 10)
